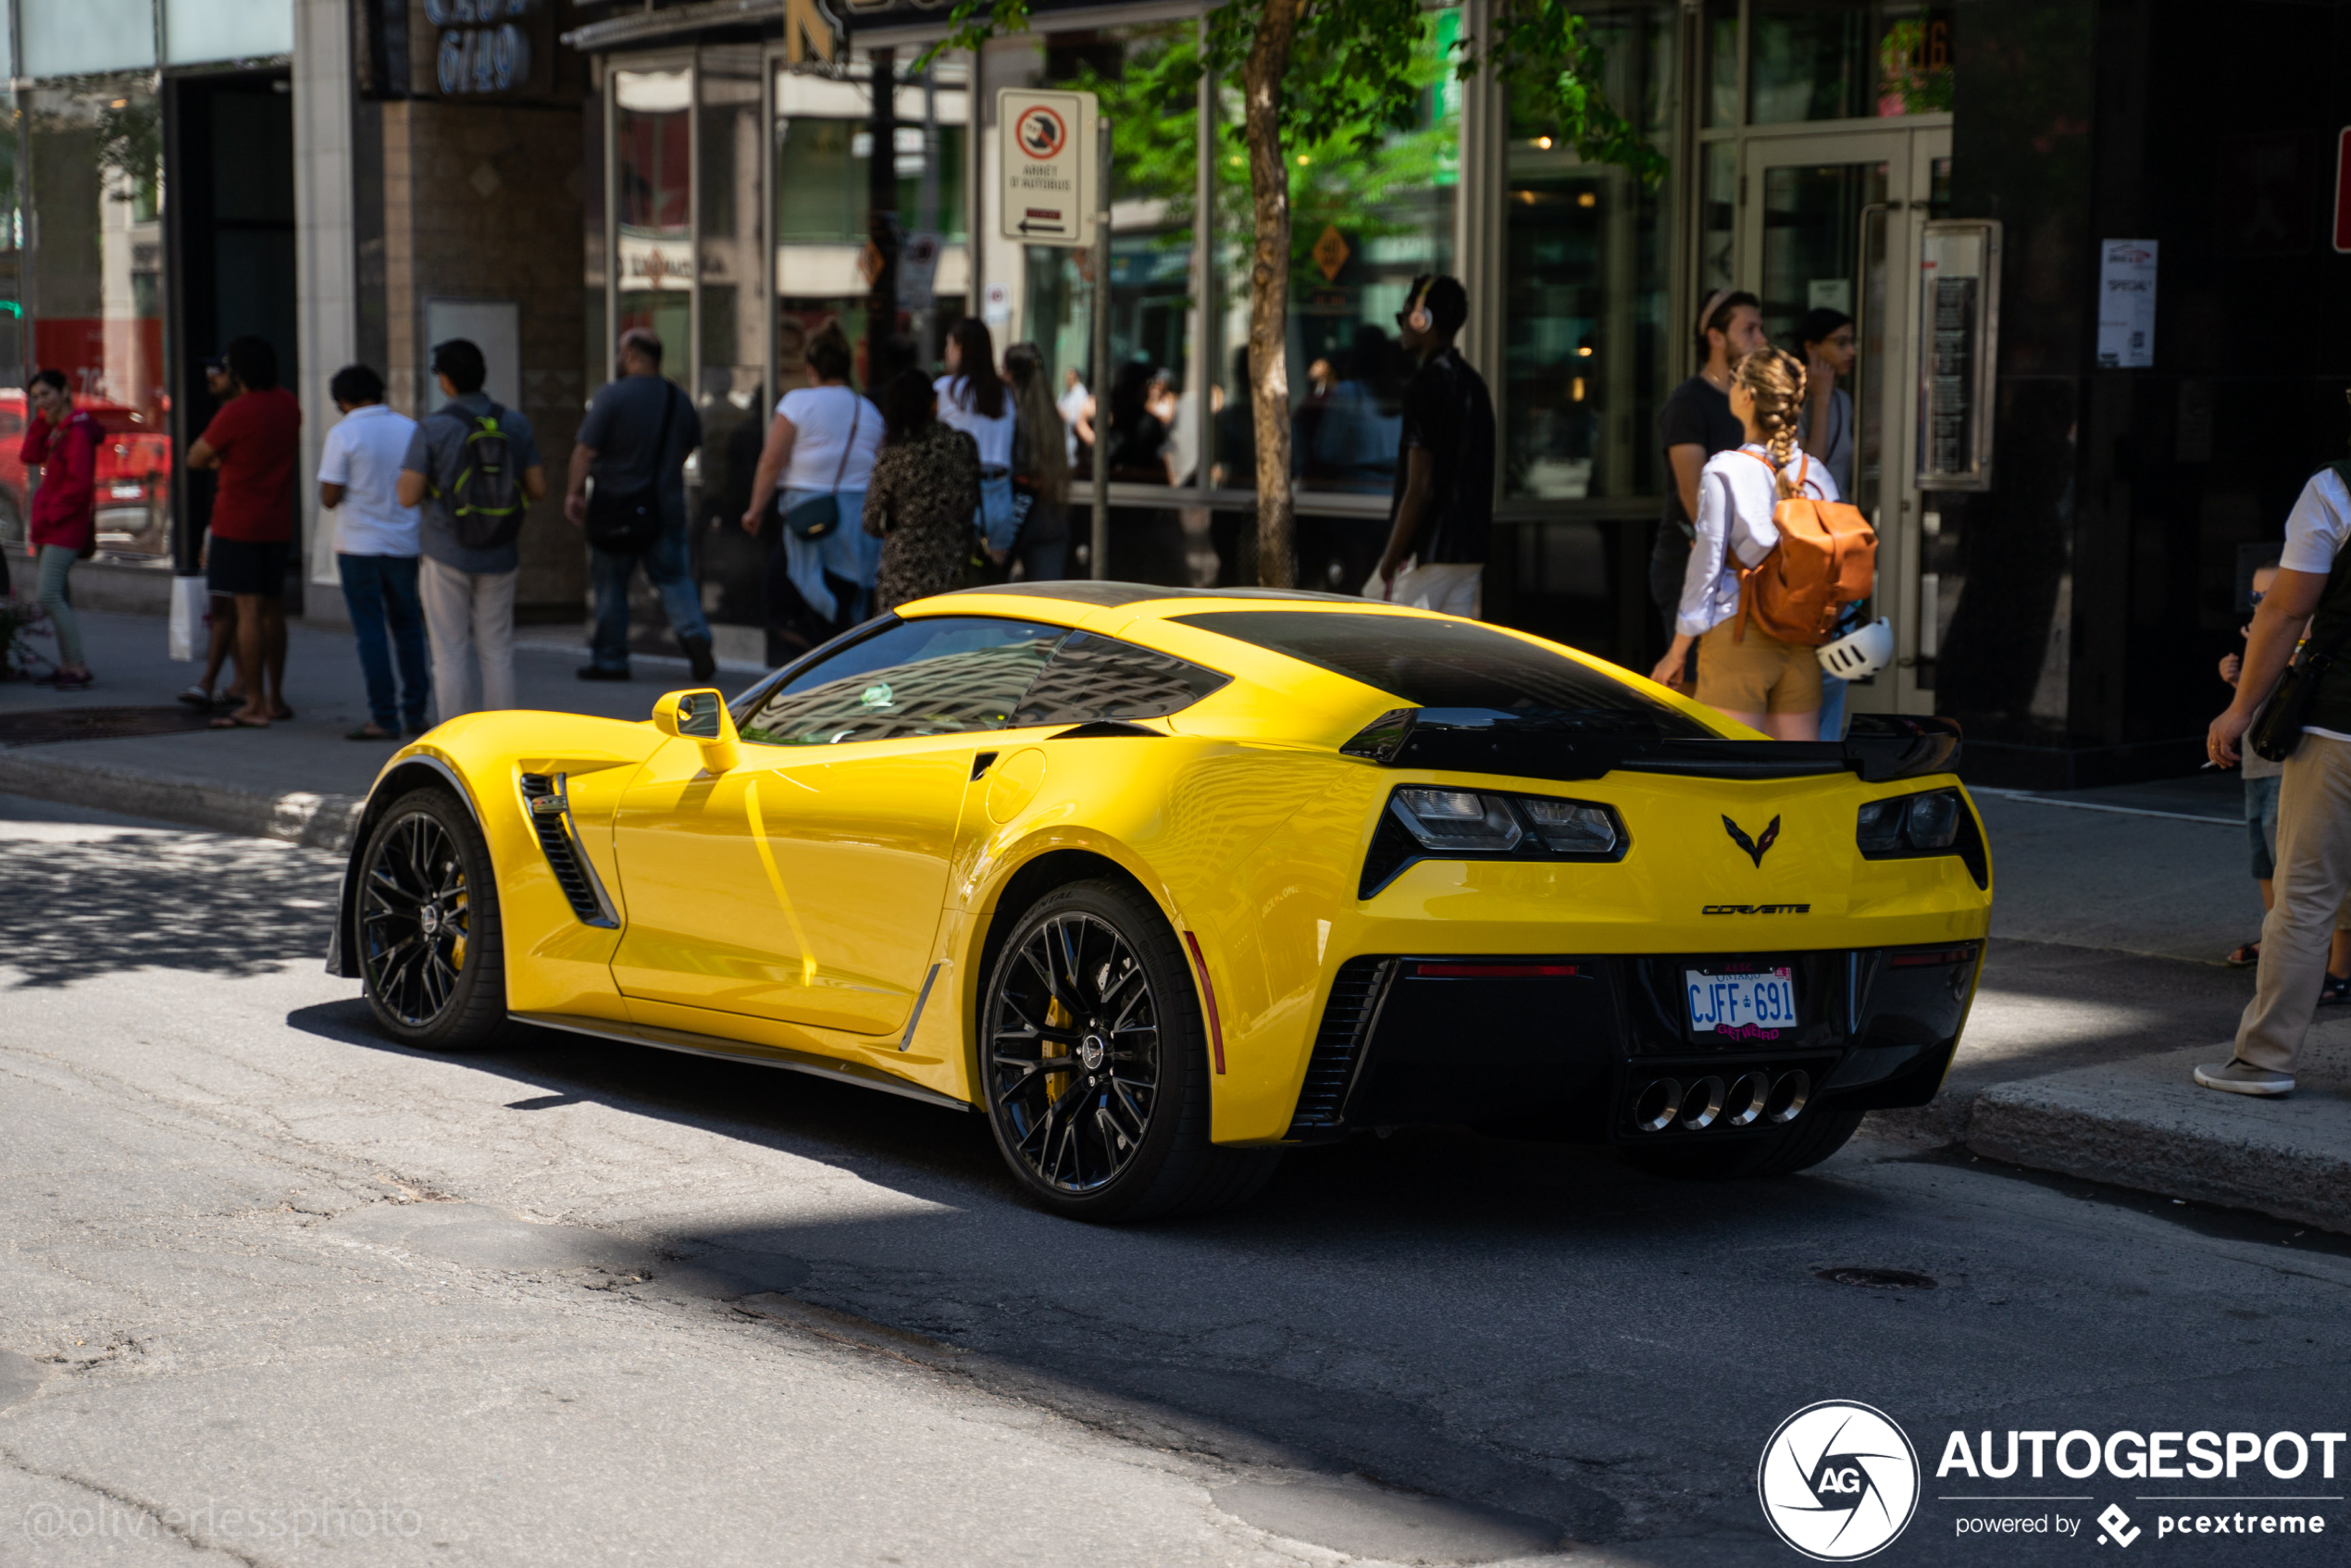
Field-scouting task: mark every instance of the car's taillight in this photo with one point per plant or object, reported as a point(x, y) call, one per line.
point(1425, 823)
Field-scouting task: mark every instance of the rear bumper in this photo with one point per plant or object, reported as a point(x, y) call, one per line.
point(1588, 1047)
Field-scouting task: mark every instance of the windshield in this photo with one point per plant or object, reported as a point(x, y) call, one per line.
point(1448, 663)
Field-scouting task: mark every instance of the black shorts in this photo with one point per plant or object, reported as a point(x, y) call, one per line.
point(248, 566)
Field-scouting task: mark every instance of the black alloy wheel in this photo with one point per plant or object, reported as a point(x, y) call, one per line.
point(427, 926)
point(1096, 1063)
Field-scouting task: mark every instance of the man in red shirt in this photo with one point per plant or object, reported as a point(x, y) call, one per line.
point(64, 442)
point(253, 442)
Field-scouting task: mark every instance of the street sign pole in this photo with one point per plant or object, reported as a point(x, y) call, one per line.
point(1100, 558)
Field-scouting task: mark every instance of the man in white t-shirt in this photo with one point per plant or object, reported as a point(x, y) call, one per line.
point(2314, 798)
point(376, 550)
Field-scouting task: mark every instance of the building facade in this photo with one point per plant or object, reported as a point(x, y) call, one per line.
point(2092, 249)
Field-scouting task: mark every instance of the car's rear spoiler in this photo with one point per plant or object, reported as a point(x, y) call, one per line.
point(1877, 747)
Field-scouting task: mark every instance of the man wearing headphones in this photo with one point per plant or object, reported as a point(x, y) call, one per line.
point(1443, 514)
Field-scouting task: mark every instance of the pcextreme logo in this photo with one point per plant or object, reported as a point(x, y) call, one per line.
point(1839, 1481)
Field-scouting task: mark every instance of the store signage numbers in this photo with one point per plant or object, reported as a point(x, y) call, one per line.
point(482, 48)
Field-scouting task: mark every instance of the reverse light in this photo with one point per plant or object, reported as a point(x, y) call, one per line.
point(1571, 826)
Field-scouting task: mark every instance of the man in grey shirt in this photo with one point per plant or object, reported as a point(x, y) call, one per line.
point(617, 448)
point(469, 593)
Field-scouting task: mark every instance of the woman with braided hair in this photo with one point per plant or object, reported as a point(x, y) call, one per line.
point(1744, 672)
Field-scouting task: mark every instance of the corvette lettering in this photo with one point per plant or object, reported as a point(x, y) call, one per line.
point(1757, 909)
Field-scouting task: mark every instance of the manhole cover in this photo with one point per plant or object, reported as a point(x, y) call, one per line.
point(95, 723)
point(1876, 1279)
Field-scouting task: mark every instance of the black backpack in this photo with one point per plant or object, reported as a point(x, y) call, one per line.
point(486, 504)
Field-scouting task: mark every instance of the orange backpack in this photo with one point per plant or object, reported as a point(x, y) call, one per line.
point(1826, 559)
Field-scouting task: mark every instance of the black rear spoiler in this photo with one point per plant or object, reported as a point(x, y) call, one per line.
point(1877, 747)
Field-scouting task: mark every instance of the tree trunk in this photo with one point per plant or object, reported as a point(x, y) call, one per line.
point(1269, 289)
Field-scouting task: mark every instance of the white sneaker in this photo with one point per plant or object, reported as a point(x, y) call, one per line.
point(2243, 1078)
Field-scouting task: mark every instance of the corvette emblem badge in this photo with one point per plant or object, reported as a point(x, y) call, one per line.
point(1756, 846)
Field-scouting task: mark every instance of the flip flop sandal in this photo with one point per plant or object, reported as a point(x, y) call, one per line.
point(2336, 989)
point(2245, 957)
point(197, 698)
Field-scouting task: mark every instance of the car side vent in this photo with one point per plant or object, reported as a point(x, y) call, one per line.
point(1338, 1048)
point(550, 810)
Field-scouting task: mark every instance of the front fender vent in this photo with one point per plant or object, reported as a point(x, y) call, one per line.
point(549, 808)
point(1338, 1048)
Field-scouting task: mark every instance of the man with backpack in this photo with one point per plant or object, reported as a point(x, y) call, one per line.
point(634, 443)
point(473, 468)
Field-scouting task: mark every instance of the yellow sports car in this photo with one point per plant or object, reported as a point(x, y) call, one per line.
point(1162, 881)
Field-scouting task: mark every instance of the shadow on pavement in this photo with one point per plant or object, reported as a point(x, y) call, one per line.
point(92, 907)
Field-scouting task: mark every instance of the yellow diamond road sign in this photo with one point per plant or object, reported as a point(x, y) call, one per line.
point(1330, 253)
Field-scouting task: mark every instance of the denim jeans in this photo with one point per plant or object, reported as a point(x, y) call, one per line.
point(388, 618)
point(669, 567)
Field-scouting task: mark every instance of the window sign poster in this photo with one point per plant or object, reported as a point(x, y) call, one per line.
point(2126, 305)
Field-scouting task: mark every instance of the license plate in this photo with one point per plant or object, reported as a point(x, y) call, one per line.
point(1758, 1005)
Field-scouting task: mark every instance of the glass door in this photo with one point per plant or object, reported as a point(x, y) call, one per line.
point(1833, 220)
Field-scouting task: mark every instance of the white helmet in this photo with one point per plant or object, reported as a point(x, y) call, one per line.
point(1861, 653)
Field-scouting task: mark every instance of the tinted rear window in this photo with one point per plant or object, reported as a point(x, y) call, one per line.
point(1431, 664)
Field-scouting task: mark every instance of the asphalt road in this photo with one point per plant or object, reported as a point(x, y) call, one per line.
point(274, 1291)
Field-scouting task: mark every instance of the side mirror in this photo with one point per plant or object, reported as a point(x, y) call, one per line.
point(701, 717)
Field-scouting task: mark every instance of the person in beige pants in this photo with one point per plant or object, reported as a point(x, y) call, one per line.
point(2314, 800)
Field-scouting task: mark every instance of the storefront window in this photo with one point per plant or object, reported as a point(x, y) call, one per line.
point(1583, 361)
point(653, 199)
point(1365, 220)
point(95, 299)
point(731, 364)
point(822, 151)
point(1721, 40)
point(1820, 59)
point(1140, 77)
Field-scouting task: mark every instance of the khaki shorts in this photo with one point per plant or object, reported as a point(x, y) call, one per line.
point(1760, 675)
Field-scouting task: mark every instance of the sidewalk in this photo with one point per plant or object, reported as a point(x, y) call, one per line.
point(300, 780)
point(2102, 989)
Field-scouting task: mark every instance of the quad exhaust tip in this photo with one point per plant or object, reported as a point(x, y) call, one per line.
point(1708, 1101)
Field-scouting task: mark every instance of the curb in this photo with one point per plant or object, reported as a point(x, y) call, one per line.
point(325, 822)
point(2135, 1127)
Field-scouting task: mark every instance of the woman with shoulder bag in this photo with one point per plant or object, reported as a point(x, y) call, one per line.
point(812, 478)
point(1743, 671)
point(925, 489)
point(974, 399)
point(1040, 469)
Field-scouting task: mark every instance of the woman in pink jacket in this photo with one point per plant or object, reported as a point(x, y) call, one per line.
point(63, 441)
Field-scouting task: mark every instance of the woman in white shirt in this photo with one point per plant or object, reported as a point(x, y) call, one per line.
point(1752, 677)
point(821, 442)
point(973, 398)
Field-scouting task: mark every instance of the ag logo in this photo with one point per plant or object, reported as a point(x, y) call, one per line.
point(1839, 1481)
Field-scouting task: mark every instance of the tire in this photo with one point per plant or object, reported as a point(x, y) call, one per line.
point(1810, 1142)
point(431, 949)
point(1092, 974)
